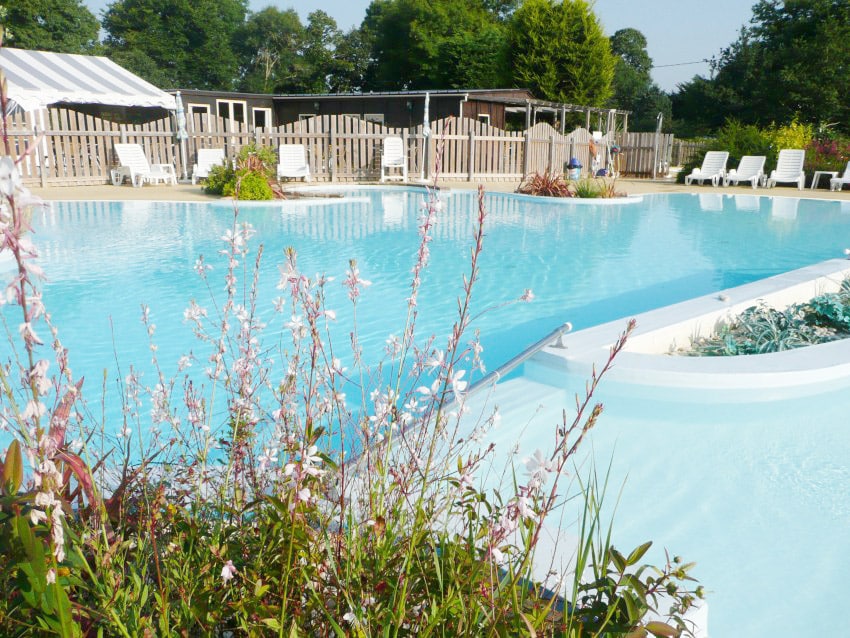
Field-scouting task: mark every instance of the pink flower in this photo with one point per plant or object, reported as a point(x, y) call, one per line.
point(228, 571)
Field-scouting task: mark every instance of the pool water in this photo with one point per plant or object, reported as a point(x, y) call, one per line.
point(777, 477)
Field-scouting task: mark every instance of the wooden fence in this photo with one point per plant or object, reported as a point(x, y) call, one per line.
point(77, 149)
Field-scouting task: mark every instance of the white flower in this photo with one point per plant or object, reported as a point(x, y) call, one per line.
point(228, 571)
point(10, 179)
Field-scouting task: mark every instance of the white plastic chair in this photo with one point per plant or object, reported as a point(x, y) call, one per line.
point(133, 164)
point(292, 162)
point(837, 183)
point(393, 157)
point(750, 169)
point(207, 158)
point(713, 168)
point(789, 168)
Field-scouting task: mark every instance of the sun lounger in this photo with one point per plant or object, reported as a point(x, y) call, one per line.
point(133, 164)
point(207, 158)
point(837, 183)
point(789, 168)
point(750, 169)
point(393, 157)
point(292, 162)
point(713, 169)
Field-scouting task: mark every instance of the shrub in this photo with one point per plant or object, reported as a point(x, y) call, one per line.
point(219, 178)
point(249, 185)
point(546, 185)
point(252, 179)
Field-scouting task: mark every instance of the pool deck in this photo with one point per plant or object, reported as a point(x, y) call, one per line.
point(190, 193)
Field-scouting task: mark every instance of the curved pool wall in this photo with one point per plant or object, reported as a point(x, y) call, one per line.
point(754, 490)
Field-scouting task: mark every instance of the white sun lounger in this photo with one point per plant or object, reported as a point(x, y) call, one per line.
point(393, 157)
point(207, 158)
point(837, 183)
point(132, 163)
point(713, 168)
point(292, 162)
point(789, 168)
point(750, 169)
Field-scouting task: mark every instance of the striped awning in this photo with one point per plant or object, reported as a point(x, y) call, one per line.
point(37, 79)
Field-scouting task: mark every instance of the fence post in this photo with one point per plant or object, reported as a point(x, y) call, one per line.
point(551, 168)
point(526, 160)
point(471, 168)
point(332, 150)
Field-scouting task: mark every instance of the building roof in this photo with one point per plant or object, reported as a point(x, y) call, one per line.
point(37, 79)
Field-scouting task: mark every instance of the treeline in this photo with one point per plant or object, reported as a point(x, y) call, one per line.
point(789, 63)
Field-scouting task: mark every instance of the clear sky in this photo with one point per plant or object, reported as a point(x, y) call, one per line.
point(677, 31)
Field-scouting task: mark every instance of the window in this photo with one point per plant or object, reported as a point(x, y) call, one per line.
point(377, 118)
point(484, 117)
point(231, 110)
point(199, 117)
point(262, 117)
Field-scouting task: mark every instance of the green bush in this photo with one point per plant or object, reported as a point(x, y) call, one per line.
point(256, 166)
point(248, 185)
point(218, 179)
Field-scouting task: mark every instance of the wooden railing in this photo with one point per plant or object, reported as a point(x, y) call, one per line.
point(71, 148)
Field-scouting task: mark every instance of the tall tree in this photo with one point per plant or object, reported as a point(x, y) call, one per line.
point(419, 44)
point(633, 87)
point(268, 46)
point(63, 26)
point(790, 60)
point(559, 51)
point(353, 57)
point(186, 43)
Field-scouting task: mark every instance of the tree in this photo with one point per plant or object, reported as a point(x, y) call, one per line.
point(790, 61)
point(353, 57)
point(633, 87)
point(559, 51)
point(186, 43)
point(268, 46)
point(429, 44)
point(63, 26)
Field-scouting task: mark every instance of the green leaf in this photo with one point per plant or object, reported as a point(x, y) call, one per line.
point(638, 553)
point(619, 560)
point(13, 469)
point(662, 630)
point(274, 623)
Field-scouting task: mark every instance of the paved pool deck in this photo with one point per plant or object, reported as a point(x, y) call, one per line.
point(190, 193)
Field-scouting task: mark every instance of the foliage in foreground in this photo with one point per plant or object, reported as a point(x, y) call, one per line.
point(250, 520)
point(761, 329)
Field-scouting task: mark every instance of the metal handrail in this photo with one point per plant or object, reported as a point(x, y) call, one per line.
point(504, 369)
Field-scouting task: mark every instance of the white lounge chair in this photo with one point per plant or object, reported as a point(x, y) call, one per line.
point(292, 162)
point(713, 168)
point(789, 168)
point(207, 158)
point(750, 169)
point(393, 157)
point(837, 183)
point(132, 163)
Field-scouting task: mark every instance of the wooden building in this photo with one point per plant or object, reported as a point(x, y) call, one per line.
point(514, 109)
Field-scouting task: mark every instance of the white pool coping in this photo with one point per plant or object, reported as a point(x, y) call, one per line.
point(646, 359)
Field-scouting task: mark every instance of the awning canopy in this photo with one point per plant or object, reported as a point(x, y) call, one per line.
point(38, 79)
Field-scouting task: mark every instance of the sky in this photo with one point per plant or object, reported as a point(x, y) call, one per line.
point(678, 32)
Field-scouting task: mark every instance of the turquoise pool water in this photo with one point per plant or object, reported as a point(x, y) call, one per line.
point(755, 494)
point(585, 264)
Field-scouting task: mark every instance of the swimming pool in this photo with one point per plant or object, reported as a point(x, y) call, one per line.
point(586, 264)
